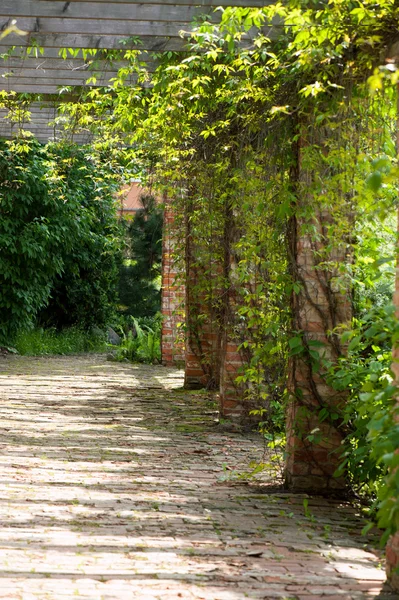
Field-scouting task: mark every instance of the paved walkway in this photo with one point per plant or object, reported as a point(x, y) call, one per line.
point(116, 485)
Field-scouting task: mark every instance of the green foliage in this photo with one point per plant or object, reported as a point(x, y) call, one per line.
point(37, 228)
point(142, 340)
point(369, 451)
point(85, 292)
point(365, 371)
point(43, 342)
point(224, 130)
point(58, 237)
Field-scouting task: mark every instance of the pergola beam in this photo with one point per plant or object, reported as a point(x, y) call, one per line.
point(32, 63)
point(95, 12)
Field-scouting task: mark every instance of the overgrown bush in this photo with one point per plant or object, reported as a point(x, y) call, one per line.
point(141, 340)
point(59, 241)
point(85, 292)
point(38, 227)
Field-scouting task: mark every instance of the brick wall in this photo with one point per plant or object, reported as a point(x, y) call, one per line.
point(202, 326)
point(317, 309)
point(232, 396)
point(172, 345)
point(202, 363)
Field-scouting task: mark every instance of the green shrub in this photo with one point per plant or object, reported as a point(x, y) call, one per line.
point(36, 230)
point(85, 293)
point(142, 342)
point(369, 456)
point(58, 237)
point(366, 373)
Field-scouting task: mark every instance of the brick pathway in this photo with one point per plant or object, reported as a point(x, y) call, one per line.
point(117, 485)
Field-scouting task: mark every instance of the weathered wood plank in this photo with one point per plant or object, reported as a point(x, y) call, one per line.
point(201, 3)
point(9, 82)
point(114, 27)
point(29, 88)
point(97, 11)
point(42, 63)
point(149, 43)
point(56, 75)
point(99, 24)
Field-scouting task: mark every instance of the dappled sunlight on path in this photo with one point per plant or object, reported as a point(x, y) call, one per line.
point(116, 484)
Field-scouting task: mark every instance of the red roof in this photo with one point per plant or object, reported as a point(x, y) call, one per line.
point(129, 198)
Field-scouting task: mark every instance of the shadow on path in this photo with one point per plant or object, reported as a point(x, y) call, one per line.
point(116, 484)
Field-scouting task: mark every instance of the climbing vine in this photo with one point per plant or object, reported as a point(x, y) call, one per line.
point(279, 157)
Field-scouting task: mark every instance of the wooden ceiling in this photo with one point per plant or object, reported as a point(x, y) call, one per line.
point(32, 63)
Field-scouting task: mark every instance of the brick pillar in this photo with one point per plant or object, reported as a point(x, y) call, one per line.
point(392, 557)
point(202, 294)
point(172, 344)
point(232, 395)
point(202, 336)
point(200, 365)
point(313, 435)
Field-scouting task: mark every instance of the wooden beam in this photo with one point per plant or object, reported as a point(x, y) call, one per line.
point(75, 65)
point(68, 75)
point(72, 40)
point(203, 4)
point(102, 33)
point(29, 88)
point(51, 61)
point(97, 11)
point(148, 25)
point(99, 27)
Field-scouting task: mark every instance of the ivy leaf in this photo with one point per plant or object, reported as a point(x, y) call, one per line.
point(374, 181)
point(295, 342)
point(354, 343)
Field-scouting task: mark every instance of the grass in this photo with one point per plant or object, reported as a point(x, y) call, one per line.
point(42, 342)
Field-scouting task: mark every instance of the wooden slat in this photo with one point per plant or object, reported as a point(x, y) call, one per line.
point(106, 33)
point(42, 63)
point(30, 88)
point(200, 3)
point(38, 74)
point(46, 62)
point(97, 11)
point(9, 82)
point(151, 44)
point(108, 27)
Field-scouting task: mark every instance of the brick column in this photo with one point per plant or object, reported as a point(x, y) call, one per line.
point(172, 342)
point(232, 403)
point(392, 556)
point(313, 434)
point(202, 298)
point(202, 335)
point(201, 369)
point(232, 395)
